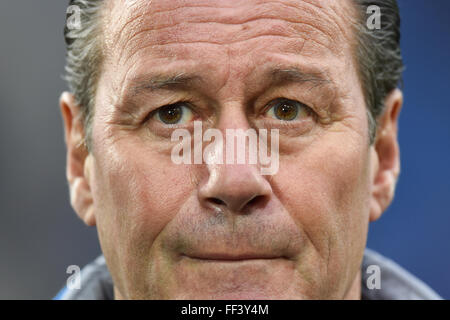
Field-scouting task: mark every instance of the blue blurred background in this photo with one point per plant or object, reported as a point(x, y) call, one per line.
point(40, 234)
point(415, 230)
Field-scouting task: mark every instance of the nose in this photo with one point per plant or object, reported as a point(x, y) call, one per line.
point(235, 187)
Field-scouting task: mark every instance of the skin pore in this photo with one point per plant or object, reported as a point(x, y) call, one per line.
point(204, 231)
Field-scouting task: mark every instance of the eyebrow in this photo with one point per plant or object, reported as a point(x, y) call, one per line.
point(182, 81)
point(281, 76)
point(165, 82)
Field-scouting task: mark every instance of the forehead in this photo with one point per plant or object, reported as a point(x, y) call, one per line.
point(136, 30)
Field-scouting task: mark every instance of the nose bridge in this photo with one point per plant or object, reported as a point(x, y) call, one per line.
point(238, 136)
point(232, 114)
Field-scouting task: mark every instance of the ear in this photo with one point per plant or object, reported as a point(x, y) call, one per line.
point(386, 155)
point(79, 160)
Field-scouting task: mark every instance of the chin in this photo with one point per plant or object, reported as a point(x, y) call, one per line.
point(241, 294)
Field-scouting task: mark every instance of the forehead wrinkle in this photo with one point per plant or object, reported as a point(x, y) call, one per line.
point(346, 14)
point(138, 19)
point(172, 53)
point(126, 19)
point(135, 18)
point(260, 10)
point(133, 22)
point(269, 33)
point(315, 9)
point(288, 29)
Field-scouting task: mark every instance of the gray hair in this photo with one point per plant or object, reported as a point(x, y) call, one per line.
point(84, 58)
point(378, 57)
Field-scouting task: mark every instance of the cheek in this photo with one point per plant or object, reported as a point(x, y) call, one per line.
point(138, 191)
point(326, 189)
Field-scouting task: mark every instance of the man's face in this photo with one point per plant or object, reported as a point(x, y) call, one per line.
point(172, 231)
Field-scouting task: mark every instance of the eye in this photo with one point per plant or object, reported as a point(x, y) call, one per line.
point(177, 113)
point(288, 110)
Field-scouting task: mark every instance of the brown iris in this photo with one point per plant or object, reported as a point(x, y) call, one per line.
point(170, 114)
point(286, 111)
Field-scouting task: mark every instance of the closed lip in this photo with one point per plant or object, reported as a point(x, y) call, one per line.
point(231, 257)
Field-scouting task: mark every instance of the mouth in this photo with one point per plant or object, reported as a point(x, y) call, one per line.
point(227, 257)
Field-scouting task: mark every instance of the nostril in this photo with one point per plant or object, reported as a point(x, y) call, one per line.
point(217, 201)
point(256, 202)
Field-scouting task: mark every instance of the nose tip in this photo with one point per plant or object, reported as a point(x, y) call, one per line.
point(235, 187)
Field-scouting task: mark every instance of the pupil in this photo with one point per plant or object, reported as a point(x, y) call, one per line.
point(286, 112)
point(170, 114)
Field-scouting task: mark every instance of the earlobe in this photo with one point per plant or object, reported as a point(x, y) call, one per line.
point(79, 162)
point(386, 156)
